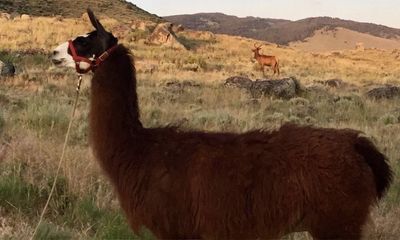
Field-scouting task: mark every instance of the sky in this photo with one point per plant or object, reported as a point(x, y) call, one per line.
point(386, 12)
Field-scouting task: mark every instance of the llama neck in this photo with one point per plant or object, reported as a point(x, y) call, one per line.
point(114, 113)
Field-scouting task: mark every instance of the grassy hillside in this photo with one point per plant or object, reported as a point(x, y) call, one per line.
point(276, 30)
point(35, 105)
point(118, 9)
point(338, 39)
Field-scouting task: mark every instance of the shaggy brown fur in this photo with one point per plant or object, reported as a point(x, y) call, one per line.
point(256, 185)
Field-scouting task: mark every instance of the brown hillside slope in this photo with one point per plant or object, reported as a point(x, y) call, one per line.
point(343, 39)
point(276, 30)
point(118, 9)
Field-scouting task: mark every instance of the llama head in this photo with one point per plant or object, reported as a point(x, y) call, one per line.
point(89, 46)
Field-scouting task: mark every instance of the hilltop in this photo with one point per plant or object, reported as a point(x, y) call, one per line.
point(277, 30)
point(340, 39)
point(118, 9)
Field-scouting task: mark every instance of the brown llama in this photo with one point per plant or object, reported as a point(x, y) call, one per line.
point(201, 185)
point(264, 60)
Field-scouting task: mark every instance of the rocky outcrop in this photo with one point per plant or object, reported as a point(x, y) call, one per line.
point(164, 35)
point(25, 17)
point(5, 16)
point(239, 82)
point(283, 88)
point(7, 69)
point(384, 92)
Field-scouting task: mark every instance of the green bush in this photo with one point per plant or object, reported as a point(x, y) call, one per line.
point(48, 231)
point(17, 195)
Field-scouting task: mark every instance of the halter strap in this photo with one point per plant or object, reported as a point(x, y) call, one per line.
point(93, 63)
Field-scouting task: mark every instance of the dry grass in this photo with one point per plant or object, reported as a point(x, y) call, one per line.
point(217, 57)
point(42, 32)
point(35, 105)
point(339, 38)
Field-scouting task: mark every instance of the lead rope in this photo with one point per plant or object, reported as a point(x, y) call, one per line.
point(78, 87)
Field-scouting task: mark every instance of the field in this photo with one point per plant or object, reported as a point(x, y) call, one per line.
point(182, 88)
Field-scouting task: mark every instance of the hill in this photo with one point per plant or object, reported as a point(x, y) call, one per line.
point(118, 9)
point(277, 30)
point(343, 39)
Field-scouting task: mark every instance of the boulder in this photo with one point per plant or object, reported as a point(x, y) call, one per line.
point(384, 92)
point(283, 88)
point(7, 69)
point(5, 16)
point(239, 82)
point(25, 17)
point(163, 35)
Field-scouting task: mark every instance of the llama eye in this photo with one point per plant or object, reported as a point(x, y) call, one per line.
point(82, 41)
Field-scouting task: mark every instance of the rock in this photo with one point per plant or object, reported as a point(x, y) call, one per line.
point(5, 16)
point(7, 69)
point(239, 82)
point(384, 92)
point(163, 35)
point(25, 17)
point(284, 88)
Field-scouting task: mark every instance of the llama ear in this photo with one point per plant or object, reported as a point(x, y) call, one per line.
point(95, 22)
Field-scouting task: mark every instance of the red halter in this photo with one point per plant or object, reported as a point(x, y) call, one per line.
point(93, 63)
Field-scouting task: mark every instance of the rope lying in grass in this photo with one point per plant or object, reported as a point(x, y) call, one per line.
point(61, 158)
